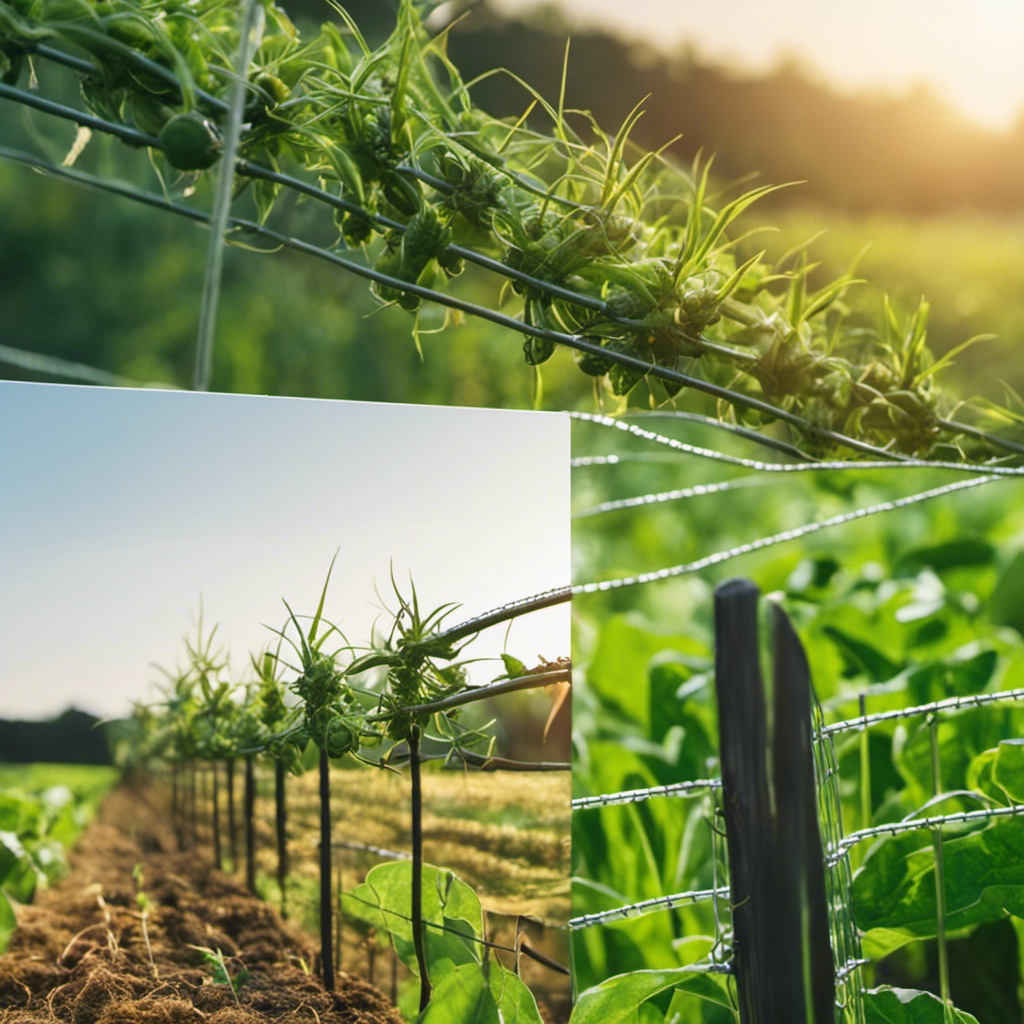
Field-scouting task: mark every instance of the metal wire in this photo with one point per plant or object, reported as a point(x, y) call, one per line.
point(632, 796)
point(785, 467)
point(697, 491)
point(779, 538)
point(846, 843)
point(679, 899)
point(946, 704)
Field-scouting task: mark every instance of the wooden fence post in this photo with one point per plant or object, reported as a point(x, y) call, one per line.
point(781, 952)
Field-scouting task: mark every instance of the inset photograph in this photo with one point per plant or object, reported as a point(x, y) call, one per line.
point(286, 716)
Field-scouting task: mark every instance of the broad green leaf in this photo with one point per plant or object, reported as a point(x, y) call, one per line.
point(965, 552)
point(1007, 601)
point(952, 677)
point(979, 776)
point(713, 988)
point(619, 667)
point(862, 656)
point(614, 1000)
point(463, 996)
point(1008, 769)
point(514, 999)
point(385, 899)
point(893, 895)
point(887, 1005)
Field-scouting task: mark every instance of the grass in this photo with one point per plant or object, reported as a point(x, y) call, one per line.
point(88, 782)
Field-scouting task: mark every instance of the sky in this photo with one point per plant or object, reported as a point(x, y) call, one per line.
point(968, 51)
point(125, 511)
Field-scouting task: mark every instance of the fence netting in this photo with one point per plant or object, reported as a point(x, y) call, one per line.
point(842, 851)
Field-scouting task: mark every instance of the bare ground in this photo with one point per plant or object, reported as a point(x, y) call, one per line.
point(80, 953)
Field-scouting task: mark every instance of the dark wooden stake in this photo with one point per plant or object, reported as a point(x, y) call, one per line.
point(193, 834)
point(250, 823)
point(176, 806)
point(229, 778)
point(782, 957)
point(417, 866)
point(217, 857)
point(796, 812)
point(280, 822)
point(326, 953)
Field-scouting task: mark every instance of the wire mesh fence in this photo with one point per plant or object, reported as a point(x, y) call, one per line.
point(835, 737)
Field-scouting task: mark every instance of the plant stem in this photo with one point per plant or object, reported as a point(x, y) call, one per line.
point(326, 953)
point(229, 766)
point(175, 806)
point(417, 865)
point(250, 823)
point(280, 820)
point(193, 835)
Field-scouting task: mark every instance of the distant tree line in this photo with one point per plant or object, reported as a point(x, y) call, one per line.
point(909, 153)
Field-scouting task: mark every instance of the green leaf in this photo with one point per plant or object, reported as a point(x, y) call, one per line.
point(1008, 769)
point(463, 996)
point(965, 552)
point(1007, 602)
point(385, 898)
point(513, 666)
point(887, 1005)
point(714, 988)
point(623, 652)
point(861, 656)
point(893, 895)
point(514, 999)
point(615, 999)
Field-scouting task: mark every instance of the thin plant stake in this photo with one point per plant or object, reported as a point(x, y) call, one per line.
point(249, 35)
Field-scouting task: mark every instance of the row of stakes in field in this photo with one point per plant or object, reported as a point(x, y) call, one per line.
point(186, 778)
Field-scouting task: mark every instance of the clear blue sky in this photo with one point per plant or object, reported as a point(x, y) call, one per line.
point(122, 509)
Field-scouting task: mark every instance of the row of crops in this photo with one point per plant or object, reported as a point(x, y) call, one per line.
point(316, 701)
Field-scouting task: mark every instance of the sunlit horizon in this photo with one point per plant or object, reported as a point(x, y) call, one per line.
point(969, 55)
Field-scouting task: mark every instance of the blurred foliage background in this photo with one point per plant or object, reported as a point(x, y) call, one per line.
point(99, 281)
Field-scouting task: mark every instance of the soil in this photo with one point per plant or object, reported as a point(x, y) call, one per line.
point(83, 952)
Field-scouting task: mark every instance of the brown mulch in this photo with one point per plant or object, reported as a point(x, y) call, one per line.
point(80, 951)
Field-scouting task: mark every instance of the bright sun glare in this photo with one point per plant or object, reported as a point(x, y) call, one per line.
point(969, 53)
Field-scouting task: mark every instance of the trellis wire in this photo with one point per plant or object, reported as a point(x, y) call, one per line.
point(679, 899)
point(784, 467)
point(54, 366)
point(946, 704)
point(779, 538)
point(846, 843)
point(696, 491)
point(698, 787)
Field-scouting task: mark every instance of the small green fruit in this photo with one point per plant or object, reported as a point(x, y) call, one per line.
point(190, 142)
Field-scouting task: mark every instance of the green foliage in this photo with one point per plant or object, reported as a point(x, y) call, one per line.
point(888, 1005)
point(900, 610)
point(39, 820)
point(641, 245)
point(469, 988)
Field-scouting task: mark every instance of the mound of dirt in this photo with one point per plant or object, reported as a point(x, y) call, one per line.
point(86, 953)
